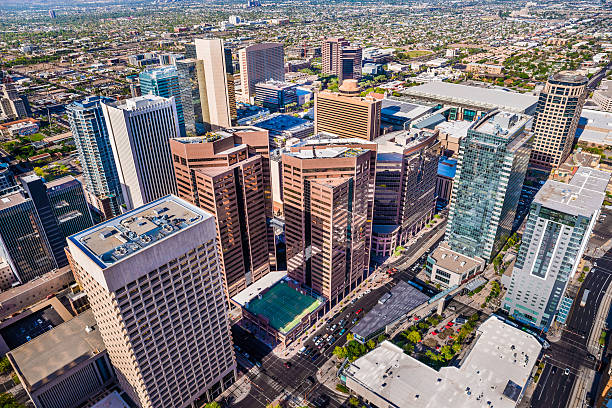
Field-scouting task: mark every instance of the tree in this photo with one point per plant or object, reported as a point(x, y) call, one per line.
point(350, 337)
point(5, 365)
point(8, 401)
point(414, 336)
point(340, 352)
point(371, 344)
point(213, 404)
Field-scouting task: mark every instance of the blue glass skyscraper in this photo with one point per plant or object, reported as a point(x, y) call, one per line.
point(95, 153)
point(164, 82)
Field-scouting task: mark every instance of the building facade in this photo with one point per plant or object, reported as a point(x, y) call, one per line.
point(347, 114)
point(223, 174)
point(340, 58)
point(404, 202)
point(491, 168)
point(328, 192)
point(164, 82)
point(260, 63)
point(95, 152)
point(275, 95)
point(216, 81)
point(139, 130)
point(69, 205)
point(560, 222)
point(191, 100)
point(556, 119)
point(12, 105)
point(156, 290)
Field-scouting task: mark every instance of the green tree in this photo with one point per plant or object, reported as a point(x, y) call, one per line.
point(5, 365)
point(213, 404)
point(371, 344)
point(8, 401)
point(414, 336)
point(340, 352)
point(350, 337)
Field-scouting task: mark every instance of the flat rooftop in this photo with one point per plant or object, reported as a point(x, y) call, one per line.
point(283, 306)
point(403, 110)
point(254, 289)
point(12, 199)
point(139, 102)
point(492, 375)
point(283, 122)
point(500, 123)
point(447, 167)
point(404, 298)
point(112, 400)
point(455, 128)
point(484, 98)
point(125, 235)
point(52, 353)
point(452, 261)
point(595, 127)
point(583, 195)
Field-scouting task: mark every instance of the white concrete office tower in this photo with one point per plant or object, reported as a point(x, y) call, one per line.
point(560, 222)
point(153, 280)
point(259, 63)
point(139, 130)
point(215, 81)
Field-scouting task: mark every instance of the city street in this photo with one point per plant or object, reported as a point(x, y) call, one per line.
point(296, 378)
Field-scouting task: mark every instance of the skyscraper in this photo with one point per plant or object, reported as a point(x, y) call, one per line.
point(216, 82)
point(156, 290)
point(346, 113)
point(556, 119)
point(69, 205)
point(259, 63)
point(191, 101)
point(164, 82)
point(95, 153)
point(139, 130)
point(406, 169)
point(23, 239)
point(492, 163)
point(328, 190)
point(558, 228)
point(224, 174)
point(491, 168)
point(340, 58)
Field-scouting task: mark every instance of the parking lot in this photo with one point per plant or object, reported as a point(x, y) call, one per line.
point(30, 327)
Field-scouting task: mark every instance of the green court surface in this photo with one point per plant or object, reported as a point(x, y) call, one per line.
point(283, 306)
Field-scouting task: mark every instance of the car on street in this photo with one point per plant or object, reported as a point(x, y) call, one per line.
point(359, 311)
point(553, 370)
point(566, 372)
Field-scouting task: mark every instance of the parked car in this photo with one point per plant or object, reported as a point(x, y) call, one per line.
point(359, 311)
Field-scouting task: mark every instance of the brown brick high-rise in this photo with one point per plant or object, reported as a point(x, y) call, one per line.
point(228, 174)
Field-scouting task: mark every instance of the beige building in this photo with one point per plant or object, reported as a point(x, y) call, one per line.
point(556, 119)
point(65, 366)
point(216, 82)
point(346, 114)
point(484, 69)
point(340, 58)
point(260, 63)
point(153, 280)
point(12, 106)
point(603, 96)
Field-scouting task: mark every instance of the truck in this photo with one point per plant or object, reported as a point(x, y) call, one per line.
point(585, 296)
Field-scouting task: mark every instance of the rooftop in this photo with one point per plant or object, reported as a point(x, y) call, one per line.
point(452, 261)
point(11, 200)
point(500, 123)
point(112, 400)
point(455, 128)
point(447, 167)
point(139, 102)
point(486, 98)
point(492, 375)
point(403, 141)
point(276, 85)
point(253, 290)
point(280, 122)
point(52, 353)
point(283, 306)
point(123, 236)
point(583, 195)
point(404, 298)
point(595, 127)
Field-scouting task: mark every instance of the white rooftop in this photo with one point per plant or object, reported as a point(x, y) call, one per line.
point(595, 127)
point(583, 195)
point(486, 98)
point(492, 375)
point(112, 400)
point(455, 128)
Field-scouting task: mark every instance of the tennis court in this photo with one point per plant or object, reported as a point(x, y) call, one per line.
point(283, 306)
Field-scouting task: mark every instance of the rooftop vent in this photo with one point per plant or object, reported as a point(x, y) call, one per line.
point(89, 329)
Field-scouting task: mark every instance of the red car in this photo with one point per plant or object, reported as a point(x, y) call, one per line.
point(449, 324)
point(434, 333)
point(359, 311)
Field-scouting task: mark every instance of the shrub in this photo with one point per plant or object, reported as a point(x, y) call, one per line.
point(342, 388)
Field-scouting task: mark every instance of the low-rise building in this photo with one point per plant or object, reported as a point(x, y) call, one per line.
point(282, 127)
point(594, 128)
point(484, 69)
point(21, 127)
point(449, 268)
point(494, 373)
point(400, 114)
point(64, 366)
point(276, 95)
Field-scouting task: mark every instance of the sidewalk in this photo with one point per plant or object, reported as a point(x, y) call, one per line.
point(600, 322)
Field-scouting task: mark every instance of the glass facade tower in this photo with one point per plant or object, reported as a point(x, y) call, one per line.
point(164, 82)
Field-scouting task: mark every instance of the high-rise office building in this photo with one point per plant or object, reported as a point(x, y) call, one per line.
point(190, 95)
point(12, 105)
point(224, 174)
point(95, 153)
point(488, 184)
point(491, 168)
point(404, 202)
point(556, 118)
point(23, 239)
point(164, 82)
point(216, 80)
point(340, 58)
point(560, 222)
point(328, 192)
point(139, 130)
point(153, 280)
point(69, 205)
point(7, 179)
point(346, 113)
point(36, 190)
point(259, 63)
